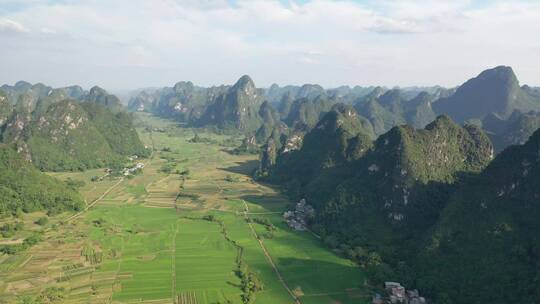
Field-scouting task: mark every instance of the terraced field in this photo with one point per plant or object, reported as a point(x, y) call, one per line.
point(176, 233)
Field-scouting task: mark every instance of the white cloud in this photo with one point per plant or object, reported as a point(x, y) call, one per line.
point(131, 43)
point(7, 25)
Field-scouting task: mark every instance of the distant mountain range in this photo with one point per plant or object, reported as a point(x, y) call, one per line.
point(494, 91)
point(493, 100)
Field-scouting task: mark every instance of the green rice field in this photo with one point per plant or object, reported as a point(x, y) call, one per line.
point(177, 233)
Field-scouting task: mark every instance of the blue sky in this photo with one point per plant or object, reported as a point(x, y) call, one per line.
point(125, 44)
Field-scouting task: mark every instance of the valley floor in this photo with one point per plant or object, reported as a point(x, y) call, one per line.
point(149, 238)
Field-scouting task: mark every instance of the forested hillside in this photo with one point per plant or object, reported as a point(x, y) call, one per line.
point(67, 128)
point(486, 241)
point(24, 188)
point(429, 208)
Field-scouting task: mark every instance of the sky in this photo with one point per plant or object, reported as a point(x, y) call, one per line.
point(128, 44)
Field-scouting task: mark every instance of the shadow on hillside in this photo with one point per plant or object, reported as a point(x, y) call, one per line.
point(334, 282)
point(271, 201)
point(245, 168)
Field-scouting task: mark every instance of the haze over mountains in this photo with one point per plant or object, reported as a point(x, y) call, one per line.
point(488, 100)
point(434, 187)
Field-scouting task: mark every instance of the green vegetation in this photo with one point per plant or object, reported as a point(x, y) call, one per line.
point(42, 221)
point(197, 246)
point(373, 200)
point(25, 188)
point(9, 229)
point(236, 109)
point(198, 139)
point(488, 235)
point(425, 207)
point(117, 129)
point(27, 243)
point(50, 296)
point(341, 135)
point(248, 146)
point(515, 130)
point(59, 133)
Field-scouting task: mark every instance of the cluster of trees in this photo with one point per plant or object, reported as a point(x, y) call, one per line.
point(91, 255)
point(9, 229)
point(50, 295)
point(197, 139)
point(251, 283)
point(268, 225)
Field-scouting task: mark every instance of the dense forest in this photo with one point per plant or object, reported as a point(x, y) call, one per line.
point(433, 208)
point(25, 189)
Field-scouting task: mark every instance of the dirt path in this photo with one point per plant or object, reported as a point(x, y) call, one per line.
point(268, 257)
point(11, 242)
point(76, 215)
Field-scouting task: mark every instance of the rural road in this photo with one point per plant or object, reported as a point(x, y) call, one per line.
point(76, 215)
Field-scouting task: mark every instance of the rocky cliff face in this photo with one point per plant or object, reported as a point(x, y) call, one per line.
point(237, 109)
point(100, 96)
point(5, 109)
point(341, 135)
point(306, 112)
point(143, 102)
point(69, 135)
point(271, 124)
point(25, 95)
point(65, 134)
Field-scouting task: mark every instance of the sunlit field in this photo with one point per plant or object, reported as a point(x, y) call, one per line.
point(149, 238)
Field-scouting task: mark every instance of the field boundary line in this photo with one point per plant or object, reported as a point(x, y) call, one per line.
point(108, 190)
point(173, 262)
point(95, 201)
point(268, 257)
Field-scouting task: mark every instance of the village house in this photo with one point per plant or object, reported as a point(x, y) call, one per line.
point(128, 171)
point(397, 294)
point(297, 218)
